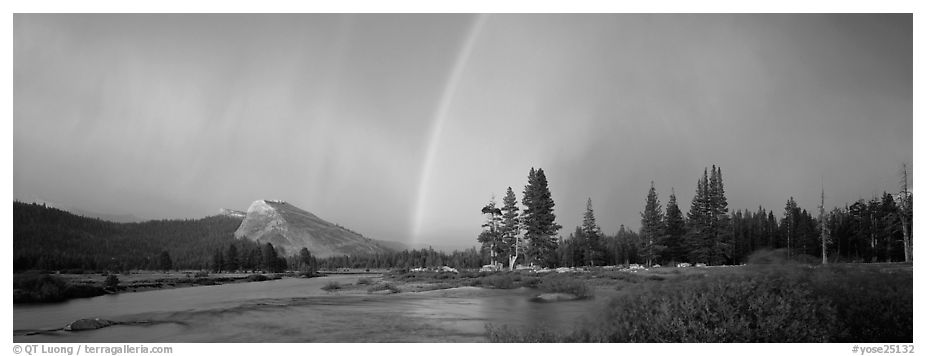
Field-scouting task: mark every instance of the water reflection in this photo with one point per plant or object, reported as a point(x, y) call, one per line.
point(292, 310)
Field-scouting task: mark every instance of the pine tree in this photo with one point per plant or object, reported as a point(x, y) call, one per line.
point(218, 262)
point(165, 262)
point(307, 261)
point(709, 236)
point(538, 219)
point(698, 229)
point(269, 258)
point(491, 236)
point(511, 228)
point(231, 259)
point(789, 224)
point(674, 230)
point(651, 227)
point(592, 237)
point(722, 235)
point(528, 222)
point(576, 249)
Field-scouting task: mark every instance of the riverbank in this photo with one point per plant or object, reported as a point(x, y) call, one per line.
point(294, 310)
point(35, 287)
point(758, 303)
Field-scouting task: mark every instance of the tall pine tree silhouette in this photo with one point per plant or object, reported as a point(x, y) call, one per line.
point(538, 219)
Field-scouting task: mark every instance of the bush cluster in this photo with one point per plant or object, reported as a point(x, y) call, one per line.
point(364, 281)
point(111, 282)
point(331, 285)
point(257, 278)
point(565, 283)
point(498, 281)
point(765, 304)
point(383, 286)
point(40, 288)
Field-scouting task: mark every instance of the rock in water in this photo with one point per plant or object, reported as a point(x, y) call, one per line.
point(88, 324)
point(291, 228)
point(554, 297)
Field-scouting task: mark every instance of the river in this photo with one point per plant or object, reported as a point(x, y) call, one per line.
point(292, 310)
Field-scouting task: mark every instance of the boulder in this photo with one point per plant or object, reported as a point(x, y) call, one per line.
point(554, 297)
point(490, 268)
point(88, 324)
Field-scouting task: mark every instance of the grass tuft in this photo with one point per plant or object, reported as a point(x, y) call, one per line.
point(383, 286)
point(331, 285)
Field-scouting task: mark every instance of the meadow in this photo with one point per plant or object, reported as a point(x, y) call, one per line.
point(757, 303)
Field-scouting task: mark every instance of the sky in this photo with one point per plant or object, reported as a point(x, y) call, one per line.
point(402, 127)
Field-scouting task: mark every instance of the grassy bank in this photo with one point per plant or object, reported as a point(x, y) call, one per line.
point(571, 283)
point(836, 303)
point(38, 287)
point(44, 288)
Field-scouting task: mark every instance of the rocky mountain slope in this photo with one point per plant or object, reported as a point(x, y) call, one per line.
point(292, 228)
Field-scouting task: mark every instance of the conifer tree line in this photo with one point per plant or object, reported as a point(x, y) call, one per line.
point(46, 238)
point(873, 230)
point(878, 229)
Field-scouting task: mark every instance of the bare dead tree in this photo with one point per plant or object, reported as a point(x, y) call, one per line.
point(824, 230)
point(904, 207)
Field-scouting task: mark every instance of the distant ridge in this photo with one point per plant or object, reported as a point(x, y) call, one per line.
point(291, 228)
point(233, 213)
point(119, 218)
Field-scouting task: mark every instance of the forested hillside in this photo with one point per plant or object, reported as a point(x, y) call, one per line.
point(51, 239)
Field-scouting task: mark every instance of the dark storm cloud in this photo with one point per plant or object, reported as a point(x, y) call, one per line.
point(180, 115)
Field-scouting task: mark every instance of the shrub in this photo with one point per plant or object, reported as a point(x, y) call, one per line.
point(382, 287)
point(42, 288)
point(873, 305)
point(628, 277)
point(82, 291)
point(111, 282)
point(530, 281)
point(38, 288)
point(204, 281)
point(498, 281)
point(768, 304)
point(257, 278)
point(364, 281)
point(506, 333)
point(331, 285)
point(768, 257)
point(557, 283)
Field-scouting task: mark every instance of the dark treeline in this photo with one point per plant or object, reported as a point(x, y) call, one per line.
point(865, 231)
point(874, 230)
point(470, 258)
point(46, 238)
